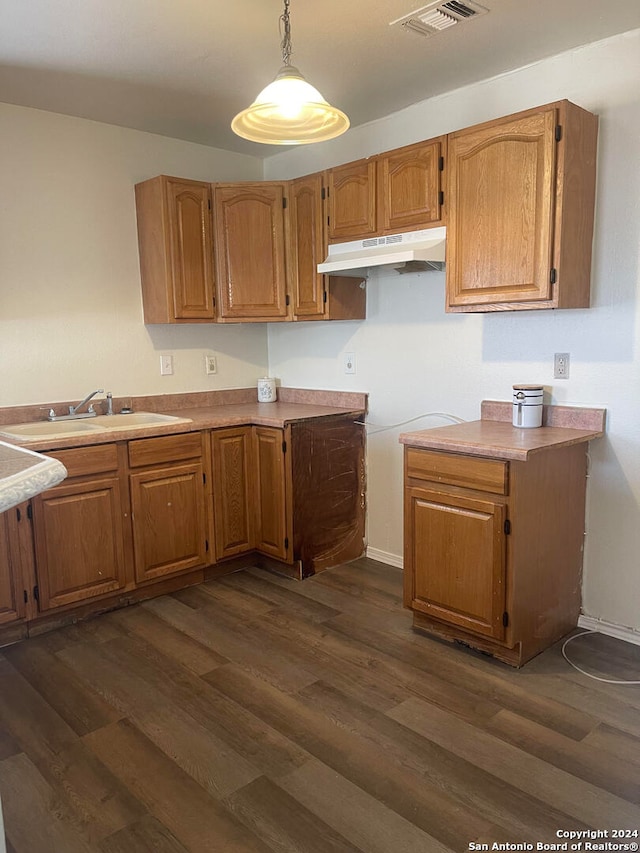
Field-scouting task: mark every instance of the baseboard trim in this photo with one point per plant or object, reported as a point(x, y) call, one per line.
point(385, 557)
point(610, 629)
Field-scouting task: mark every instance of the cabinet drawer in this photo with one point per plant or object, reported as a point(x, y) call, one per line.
point(470, 472)
point(88, 460)
point(166, 448)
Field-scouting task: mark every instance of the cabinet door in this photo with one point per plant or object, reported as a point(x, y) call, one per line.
point(79, 541)
point(249, 224)
point(409, 187)
point(270, 492)
point(189, 206)
point(175, 244)
point(12, 604)
point(455, 558)
point(502, 179)
point(233, 492)
point(352, 200)
point(307, 246)
point(169, 520)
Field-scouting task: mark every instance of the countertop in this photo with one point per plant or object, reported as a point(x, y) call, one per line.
point(24, 473)
point(494, 436)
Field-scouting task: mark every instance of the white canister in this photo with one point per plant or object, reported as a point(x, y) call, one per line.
point(266, 390)
point(527, 405)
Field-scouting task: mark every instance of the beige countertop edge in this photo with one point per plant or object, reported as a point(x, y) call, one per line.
point(25, 473)
point(497, 439)
point(203, 417)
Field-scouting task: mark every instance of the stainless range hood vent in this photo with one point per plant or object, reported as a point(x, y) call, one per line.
point(412, 251)
point(439, 16)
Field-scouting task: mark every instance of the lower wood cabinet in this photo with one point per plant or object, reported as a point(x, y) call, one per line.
point(493, 548)
point(233, 490)
point(273, 519)
point(12, 603)
point(78, 530)
point(168, 506)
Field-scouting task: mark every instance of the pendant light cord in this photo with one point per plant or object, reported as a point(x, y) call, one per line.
point(285, 33)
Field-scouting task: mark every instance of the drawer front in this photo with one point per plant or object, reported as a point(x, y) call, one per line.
point(88, 460)
point(165, 448)
point(468, 472)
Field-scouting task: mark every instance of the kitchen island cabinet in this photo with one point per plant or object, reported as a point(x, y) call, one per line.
point(520, 197)
point(494, 533)
point(176, 250)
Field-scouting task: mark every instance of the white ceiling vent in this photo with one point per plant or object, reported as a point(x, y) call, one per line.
point(439, 16)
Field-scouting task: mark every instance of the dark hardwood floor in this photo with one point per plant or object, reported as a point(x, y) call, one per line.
point(255, 713)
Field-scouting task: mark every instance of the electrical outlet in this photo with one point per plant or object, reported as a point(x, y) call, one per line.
point(349, 362)
point(210, 365)
point(166, 365)
point(561, 365)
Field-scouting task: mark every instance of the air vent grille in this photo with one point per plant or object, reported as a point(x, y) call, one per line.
point(439, 16)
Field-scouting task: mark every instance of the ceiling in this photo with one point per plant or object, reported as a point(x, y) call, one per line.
point(184, 69)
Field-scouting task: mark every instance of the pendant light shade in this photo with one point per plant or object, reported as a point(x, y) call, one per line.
point(289, 111)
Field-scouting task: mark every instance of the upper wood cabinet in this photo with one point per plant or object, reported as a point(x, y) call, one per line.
point(399, 190)
point(521, 203)
point(352, 201)
point(249, 227)
point(176, 250)
point(409, 187)
point(316, 296)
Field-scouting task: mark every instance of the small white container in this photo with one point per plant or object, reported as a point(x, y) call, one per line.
point(267, 390)
point(527, 406)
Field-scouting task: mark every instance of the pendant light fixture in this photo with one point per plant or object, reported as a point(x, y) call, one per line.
point(289, 111)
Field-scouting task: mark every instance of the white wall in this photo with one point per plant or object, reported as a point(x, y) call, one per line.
point(70, 303)
point(413, 358)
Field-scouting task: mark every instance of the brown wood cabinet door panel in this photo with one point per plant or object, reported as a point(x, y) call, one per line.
point(169, 522)
point(79, 541)
point(409, 187)
point(307, 246)
point(500, 223)
point(352, 200)
point(233, 491)
point(12, 605)
point(191, 243)
point(249, 221)
point(457, 560)
point(270, 497)
point(471, 472)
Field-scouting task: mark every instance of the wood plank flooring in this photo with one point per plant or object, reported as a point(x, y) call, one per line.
point(256, 713)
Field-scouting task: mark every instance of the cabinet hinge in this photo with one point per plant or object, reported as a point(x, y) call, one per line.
point(18, 514)
point(323, 193)
point(206, 544)
point(505, 619)
point(36, 593)
point(25, 595)
point(284, 202)
point(558, 132)
point(286, 543)
point(204, 478)
point(284, 446)
point(287, 300)
point(324, 296)
point(209, 203)
point(441, 197)
point(507, 526)
point(214, 300)
point(30, 512)
point(553, 275)
point(441, 164)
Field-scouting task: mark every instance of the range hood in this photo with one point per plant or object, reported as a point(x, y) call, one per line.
point(412, 251)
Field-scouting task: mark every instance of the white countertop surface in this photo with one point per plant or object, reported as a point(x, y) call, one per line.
point(24, 473)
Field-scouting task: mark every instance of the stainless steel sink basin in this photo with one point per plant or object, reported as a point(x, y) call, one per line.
point(137, 419)
point(44, 430)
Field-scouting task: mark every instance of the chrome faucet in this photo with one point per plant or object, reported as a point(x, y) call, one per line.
point(73, 410)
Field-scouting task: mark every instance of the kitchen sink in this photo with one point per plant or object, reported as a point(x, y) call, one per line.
point(137, 419)
point(44, 430)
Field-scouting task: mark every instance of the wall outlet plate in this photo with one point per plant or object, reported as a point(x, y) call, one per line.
point(561, 365)
point(349, 362)
point(210, 365)
point(166, 365)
